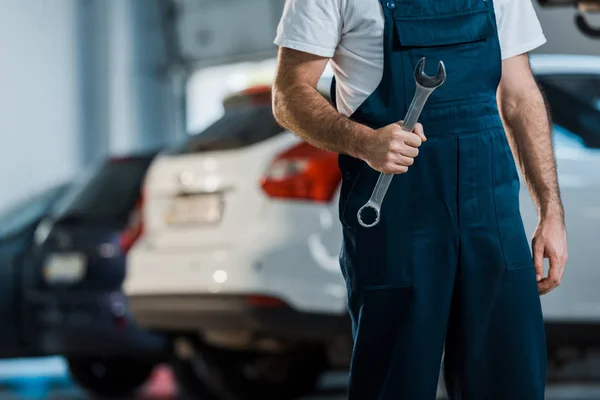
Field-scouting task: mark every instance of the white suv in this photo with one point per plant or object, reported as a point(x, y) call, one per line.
point(240, 245)
point(241, 236)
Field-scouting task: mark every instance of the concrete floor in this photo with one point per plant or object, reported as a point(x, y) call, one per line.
point(47, 379)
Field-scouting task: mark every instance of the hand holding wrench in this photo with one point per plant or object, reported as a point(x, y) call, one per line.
point(425, 86)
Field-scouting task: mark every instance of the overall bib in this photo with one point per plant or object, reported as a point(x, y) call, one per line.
point(448, 268)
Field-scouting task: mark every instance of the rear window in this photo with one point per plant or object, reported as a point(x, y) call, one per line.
point(239, 127)
point(29, 212)
point(108, 193)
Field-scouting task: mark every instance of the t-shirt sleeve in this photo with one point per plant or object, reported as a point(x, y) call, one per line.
point(519, 28)
point(311, 26)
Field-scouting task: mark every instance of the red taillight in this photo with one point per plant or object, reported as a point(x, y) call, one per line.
point(256, 95)
point(134, 229)
point(303, 172)
point(264, 302)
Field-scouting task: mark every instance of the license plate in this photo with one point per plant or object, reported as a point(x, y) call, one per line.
point(65, 268)
point(195, 209)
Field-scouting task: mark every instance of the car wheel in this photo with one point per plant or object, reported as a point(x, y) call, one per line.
point(195, 383)
point(230, 375)
point(111, 377)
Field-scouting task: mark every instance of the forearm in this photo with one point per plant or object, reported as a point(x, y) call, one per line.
point(528, 126)
point(301, 109)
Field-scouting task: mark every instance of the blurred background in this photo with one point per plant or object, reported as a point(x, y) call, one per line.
point(162, 237)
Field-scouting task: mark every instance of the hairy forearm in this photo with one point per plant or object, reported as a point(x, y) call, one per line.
point(527, 122)
point(301, 109)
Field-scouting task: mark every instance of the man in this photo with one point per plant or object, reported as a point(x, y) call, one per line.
point(448, 266)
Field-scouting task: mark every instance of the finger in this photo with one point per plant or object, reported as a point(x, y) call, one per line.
point(408, 151)
point(395, 169)
point(545, 286)
point(393, 166)
point(545, 292)
point(554, 278)
point(538, 261)
point(411, 139)
point(404, 161)
point(555, 272)
point(420, 132)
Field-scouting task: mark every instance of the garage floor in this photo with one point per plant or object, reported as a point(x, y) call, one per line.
point(41, 379)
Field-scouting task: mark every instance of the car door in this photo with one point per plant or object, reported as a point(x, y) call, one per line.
point(574, 100)
point(17, 230)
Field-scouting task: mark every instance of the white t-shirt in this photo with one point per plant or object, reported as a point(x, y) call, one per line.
point(350, 32)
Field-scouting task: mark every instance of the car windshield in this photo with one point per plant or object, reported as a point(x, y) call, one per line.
point(239, 127)
point(109, 192)
point(29, 212)
point(574, 101)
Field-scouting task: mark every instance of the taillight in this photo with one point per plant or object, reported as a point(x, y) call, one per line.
point(134, 229)
point(303, 172)
point(260, 301)
point(256, 95)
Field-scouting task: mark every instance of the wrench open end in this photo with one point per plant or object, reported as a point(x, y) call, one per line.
point(430, 82)
point(373, 214)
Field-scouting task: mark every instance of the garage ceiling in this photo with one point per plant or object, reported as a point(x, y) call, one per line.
point(213, 32)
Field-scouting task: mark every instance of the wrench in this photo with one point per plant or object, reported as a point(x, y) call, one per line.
point(425, 86)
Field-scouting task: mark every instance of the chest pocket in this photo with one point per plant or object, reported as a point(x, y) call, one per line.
point(445, 30)
point(462, 33)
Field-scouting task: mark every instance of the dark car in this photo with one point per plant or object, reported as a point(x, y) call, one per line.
point(74, 298)
point(18, 225)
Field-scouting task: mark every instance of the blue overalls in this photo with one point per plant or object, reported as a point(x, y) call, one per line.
point(449, 267)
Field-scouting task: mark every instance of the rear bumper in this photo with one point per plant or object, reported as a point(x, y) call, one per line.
point(234, 313)
point(292, 252)
point(88, 324)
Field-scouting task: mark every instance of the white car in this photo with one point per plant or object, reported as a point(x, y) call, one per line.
point(572, 87)
point(239, 257)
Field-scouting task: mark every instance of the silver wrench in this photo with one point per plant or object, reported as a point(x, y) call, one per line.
point(425, 86)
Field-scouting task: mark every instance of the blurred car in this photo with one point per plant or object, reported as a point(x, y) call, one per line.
point(73, 296)
point(17, 228)
point(238, 261)
point(241, 244)
point(572, 88)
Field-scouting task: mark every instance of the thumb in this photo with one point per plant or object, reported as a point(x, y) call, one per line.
point(538, 261)
point(418, 130)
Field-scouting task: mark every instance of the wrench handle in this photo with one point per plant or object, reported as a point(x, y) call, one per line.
point(381, 188)
point(415, 108)
point(384, 180)
point(412, 116)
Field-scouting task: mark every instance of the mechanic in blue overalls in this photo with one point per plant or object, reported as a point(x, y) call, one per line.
point(448, 270)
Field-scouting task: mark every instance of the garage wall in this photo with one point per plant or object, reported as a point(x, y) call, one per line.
point(79, 80)
point(38, 96)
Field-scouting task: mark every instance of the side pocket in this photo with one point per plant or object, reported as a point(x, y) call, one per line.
point(506, 187)
point(351, 185)
point(351, 173)
point(377, 257)
point(514, 243)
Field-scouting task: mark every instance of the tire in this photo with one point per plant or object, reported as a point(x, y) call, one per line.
point(193, 383)
point(229, 375)
point(111, 377)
